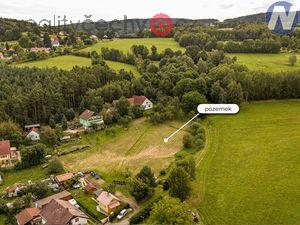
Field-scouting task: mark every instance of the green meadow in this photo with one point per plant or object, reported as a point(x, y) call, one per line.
point(267, 62)
point(248, 172)
point(125, 45)
point(67, 62)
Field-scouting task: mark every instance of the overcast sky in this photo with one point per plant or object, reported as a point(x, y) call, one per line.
point(116, 9)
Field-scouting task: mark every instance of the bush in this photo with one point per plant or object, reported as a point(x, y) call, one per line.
point(55, 166)
point(144, 213)
point(187, 141)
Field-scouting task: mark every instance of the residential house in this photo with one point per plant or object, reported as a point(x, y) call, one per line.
point(14, 190)
point(29, 216)
point(54, 41)
point(47, 50)
point(62, 33)
point(60, 179)
point(88, 119)
point(94, 38)
point(33, 135)
point(60, 212)
point(8, 155)
point(64, 195)
point(138, 100)
point(108, 203)
point(29, 127)
point(90, 188)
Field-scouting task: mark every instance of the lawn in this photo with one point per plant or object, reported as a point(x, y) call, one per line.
point(142, 144)
point(117, 66)
point(67, 62)
point(248, 172)
point(125, 45)
point(87, 203)
point(2, 219)
point(23, 176)
point(267, 62)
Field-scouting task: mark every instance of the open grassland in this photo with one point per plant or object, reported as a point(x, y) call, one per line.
point(22, 176)
point(249, 171)
point(142, 144)
point(2, 219)
point(125, 45)
point(67, 62)
point(117, 66)
point(267, 62)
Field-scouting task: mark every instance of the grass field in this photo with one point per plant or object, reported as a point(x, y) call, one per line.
point(249, 171)
point(267, 62)
point(141, 145)
point(125, 45)
point(69, 61)
point(22, 176)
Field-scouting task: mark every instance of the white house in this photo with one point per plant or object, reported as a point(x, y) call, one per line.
point(55, 41)
point(33, 135)
point(138, 100)
point(141, 100)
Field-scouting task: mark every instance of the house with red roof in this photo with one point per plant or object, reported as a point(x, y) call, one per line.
point(88, 119)
point(60, 179)
point(29, 216)
point(8, 155)
point(54, 41)
point(47, 50)
point(108, 203)
point(14, 190)
point(60, 212)
point(33, 134)
point(138, 100)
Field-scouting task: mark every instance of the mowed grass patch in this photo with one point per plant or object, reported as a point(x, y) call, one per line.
point(22, 176)
point(267, 62)
point(125, 45)
point(250, 171)
point(142, 144)
point(67, 62)
point(117, 66)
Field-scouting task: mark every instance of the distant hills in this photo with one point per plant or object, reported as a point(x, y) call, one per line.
point(9, 27)
point(130, 26)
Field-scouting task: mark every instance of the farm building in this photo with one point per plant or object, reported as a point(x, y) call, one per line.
point(87, 119)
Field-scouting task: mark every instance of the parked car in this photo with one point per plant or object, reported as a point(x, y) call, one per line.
point(122, 214)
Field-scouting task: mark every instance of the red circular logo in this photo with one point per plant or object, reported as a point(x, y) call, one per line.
point(161, 25)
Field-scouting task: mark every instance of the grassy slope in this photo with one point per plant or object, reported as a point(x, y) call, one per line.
point(250, 171)
point(141, 145)
point(33, 174)
point(68, 62)
point(124, 45)
point(267, 62)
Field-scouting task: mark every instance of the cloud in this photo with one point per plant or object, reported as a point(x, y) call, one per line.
point(226, 6)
